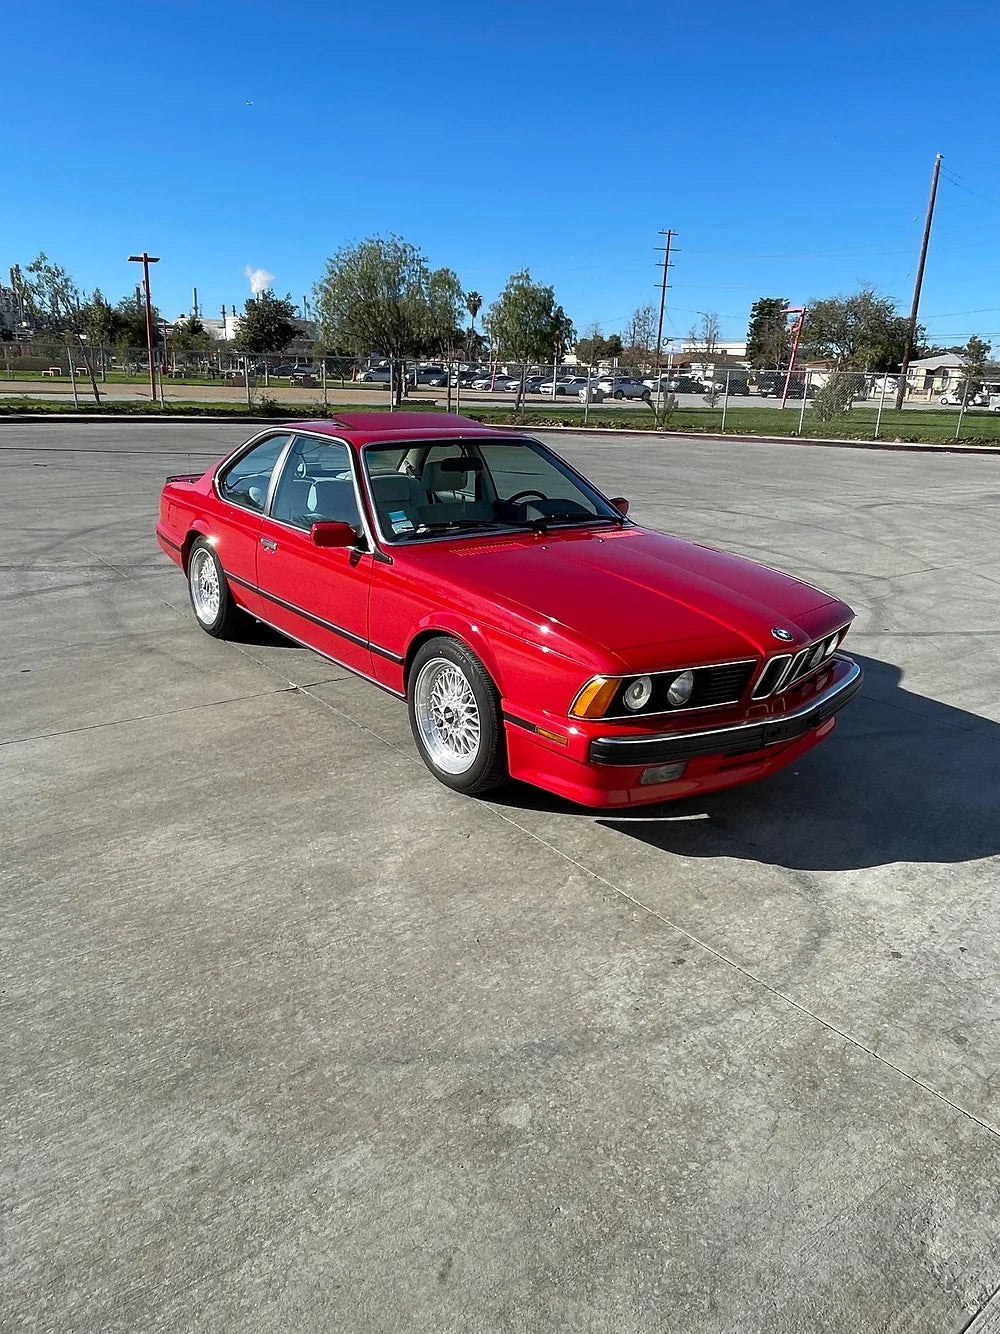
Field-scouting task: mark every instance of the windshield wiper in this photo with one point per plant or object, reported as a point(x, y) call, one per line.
point(540, 525)
point(439, 524)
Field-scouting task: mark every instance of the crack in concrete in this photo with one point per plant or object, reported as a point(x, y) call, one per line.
point(147, 717)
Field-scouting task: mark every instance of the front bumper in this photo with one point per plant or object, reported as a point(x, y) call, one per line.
point(734, 739)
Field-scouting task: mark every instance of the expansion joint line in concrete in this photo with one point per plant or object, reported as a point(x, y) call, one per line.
point(148, 717)
point(758, 981)
point(973, 1325)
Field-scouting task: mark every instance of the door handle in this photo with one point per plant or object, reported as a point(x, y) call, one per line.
point(268, 544)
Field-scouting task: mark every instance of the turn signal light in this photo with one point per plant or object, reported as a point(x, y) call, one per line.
point(595, 697)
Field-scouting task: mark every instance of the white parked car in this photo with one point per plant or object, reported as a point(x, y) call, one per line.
point(566, 384)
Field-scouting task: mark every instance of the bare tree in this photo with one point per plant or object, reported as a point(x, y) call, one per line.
point(703, 339)
point(639, 335)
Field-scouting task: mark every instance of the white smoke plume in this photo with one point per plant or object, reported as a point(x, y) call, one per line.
point(260, 280)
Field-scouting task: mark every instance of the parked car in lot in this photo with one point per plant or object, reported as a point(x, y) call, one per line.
point(771, 384)
point(566, 384)
point(374, 375)
point(427, 375)
point(623, 386)
point(683, 384)
point(608, 663)
point(498, 382)
point(289, 370)
point(952, 398)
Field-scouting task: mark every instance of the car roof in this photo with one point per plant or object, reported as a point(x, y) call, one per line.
point(361, 428)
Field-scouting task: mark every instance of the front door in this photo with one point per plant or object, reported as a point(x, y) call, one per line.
point(318, 595)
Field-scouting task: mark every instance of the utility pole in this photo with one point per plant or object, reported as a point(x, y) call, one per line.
point(663, 296)
point(911, 328)
point(145, 260)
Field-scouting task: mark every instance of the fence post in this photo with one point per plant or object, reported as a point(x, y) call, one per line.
point(725, 404)
point(881, 405)
point(6, 362)
point(805, 395)
point(246, 378)
point(323, 371)
point(72, 374)
point(961, 410)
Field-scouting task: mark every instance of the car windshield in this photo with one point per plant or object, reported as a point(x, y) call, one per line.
point(439, 487)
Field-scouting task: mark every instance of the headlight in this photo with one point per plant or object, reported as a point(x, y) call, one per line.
point(638, 693)
point(680, 689)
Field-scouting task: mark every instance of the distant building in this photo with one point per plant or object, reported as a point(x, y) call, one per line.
point(936, 374)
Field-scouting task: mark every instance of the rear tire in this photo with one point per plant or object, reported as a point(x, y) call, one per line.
point(619, 394)
point(213, 605)
point(455, 717)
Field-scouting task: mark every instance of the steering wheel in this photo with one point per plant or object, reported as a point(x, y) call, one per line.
point(523, 495)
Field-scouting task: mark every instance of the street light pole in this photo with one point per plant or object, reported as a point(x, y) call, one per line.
point(145, 260)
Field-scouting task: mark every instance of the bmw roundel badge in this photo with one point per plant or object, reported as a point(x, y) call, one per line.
point(785, 636)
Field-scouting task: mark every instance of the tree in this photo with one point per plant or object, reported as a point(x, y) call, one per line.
point(130, 314)
point(100, 320)
point(975, 352)
point(768, 342)
point(379, 295)
point(267, 324)
point(190, 335)
point(704, 338)
point(528, 324)
point(590, 348)
point(473, 304)
point(862, 331)
point(58, 305)
point(638, 337)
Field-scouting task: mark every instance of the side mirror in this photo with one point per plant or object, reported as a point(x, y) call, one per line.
point(620, 504)
point(333, 534)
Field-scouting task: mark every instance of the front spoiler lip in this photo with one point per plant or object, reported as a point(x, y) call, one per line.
point(736, 739)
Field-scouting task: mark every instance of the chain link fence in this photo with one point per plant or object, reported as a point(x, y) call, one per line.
point(801, 402)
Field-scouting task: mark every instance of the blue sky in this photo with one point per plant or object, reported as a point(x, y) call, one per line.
point(790, 147)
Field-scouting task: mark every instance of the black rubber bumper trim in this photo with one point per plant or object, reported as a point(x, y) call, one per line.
point(515, 721)
point(744, 738)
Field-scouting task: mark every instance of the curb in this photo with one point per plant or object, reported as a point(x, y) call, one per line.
point(888, 446)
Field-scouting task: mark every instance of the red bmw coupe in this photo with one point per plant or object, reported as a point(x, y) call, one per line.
point(534, 630)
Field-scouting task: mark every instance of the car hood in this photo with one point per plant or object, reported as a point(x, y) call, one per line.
point(628, 589)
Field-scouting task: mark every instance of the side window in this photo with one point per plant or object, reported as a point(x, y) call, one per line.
point(246, 482)
point(316, 485)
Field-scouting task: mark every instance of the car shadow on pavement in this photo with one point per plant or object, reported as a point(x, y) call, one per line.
point(902, 779)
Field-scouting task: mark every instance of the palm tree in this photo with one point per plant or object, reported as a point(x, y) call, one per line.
point(473, 304)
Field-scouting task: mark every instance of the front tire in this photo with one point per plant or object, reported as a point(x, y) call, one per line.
point(211, 600)
point(455, 717)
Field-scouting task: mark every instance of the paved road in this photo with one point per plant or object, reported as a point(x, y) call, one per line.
point(294, 1038)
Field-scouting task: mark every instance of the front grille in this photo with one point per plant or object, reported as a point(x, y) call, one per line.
point(720, 685)
point(771, 675)
point(783, 671)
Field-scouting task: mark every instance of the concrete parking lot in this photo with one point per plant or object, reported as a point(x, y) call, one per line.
point(296, 1039)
